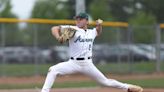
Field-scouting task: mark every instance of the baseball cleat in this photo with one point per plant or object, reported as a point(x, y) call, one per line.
point(134, 88)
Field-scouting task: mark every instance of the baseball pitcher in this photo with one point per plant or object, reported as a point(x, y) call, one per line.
point(80, 50)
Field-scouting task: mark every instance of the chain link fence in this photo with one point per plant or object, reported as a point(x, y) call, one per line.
point(28, 48)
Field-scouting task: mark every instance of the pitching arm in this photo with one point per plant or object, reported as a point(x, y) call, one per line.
point(56, 33)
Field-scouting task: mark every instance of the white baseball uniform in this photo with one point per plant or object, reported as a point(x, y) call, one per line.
point(80, 51)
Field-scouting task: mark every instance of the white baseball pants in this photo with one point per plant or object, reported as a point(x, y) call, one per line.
point(79, 66)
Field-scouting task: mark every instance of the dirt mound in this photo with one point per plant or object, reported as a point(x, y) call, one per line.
point(81, 90)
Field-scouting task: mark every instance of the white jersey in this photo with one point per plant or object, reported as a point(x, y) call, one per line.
point(81, 44)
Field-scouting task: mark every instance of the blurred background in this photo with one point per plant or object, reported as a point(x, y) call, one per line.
point(132, 40)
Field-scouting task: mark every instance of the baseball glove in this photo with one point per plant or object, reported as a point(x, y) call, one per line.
point(66, 34)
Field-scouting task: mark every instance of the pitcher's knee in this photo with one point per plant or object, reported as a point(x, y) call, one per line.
point(52, 70)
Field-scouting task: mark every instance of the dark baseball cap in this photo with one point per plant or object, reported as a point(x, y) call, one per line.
point(82, 15)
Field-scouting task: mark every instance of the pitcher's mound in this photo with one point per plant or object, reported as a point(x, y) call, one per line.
point(80, 90)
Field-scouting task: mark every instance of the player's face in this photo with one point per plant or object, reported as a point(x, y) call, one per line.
point(81, 22)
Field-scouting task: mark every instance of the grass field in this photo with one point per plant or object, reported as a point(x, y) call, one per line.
point(19, 70)
point(116, 68)
point(146, 83)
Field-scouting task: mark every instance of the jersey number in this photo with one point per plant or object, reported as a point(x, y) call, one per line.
point(90, 46)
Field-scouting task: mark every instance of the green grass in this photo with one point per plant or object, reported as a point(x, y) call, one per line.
point(56, 85)
point(139, 67)
point(23, 69)
point(116, 68)
point(146, 83)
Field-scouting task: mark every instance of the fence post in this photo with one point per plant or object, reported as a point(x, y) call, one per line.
point(35, 48)
point(118, 43)
point(129, 42)
point(158, 42)
point(3, 41)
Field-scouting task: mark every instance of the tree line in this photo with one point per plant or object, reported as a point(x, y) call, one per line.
point(135, 12)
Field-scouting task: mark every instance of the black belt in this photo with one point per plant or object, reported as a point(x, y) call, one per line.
point(80, 58)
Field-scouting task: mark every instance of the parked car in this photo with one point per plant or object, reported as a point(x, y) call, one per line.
point(14, 54)
point(46, 55)
point(148, 50)
point(162, 52)
point(113, 53)
point(59, 53)
point(24, 55)
point(38, 55)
